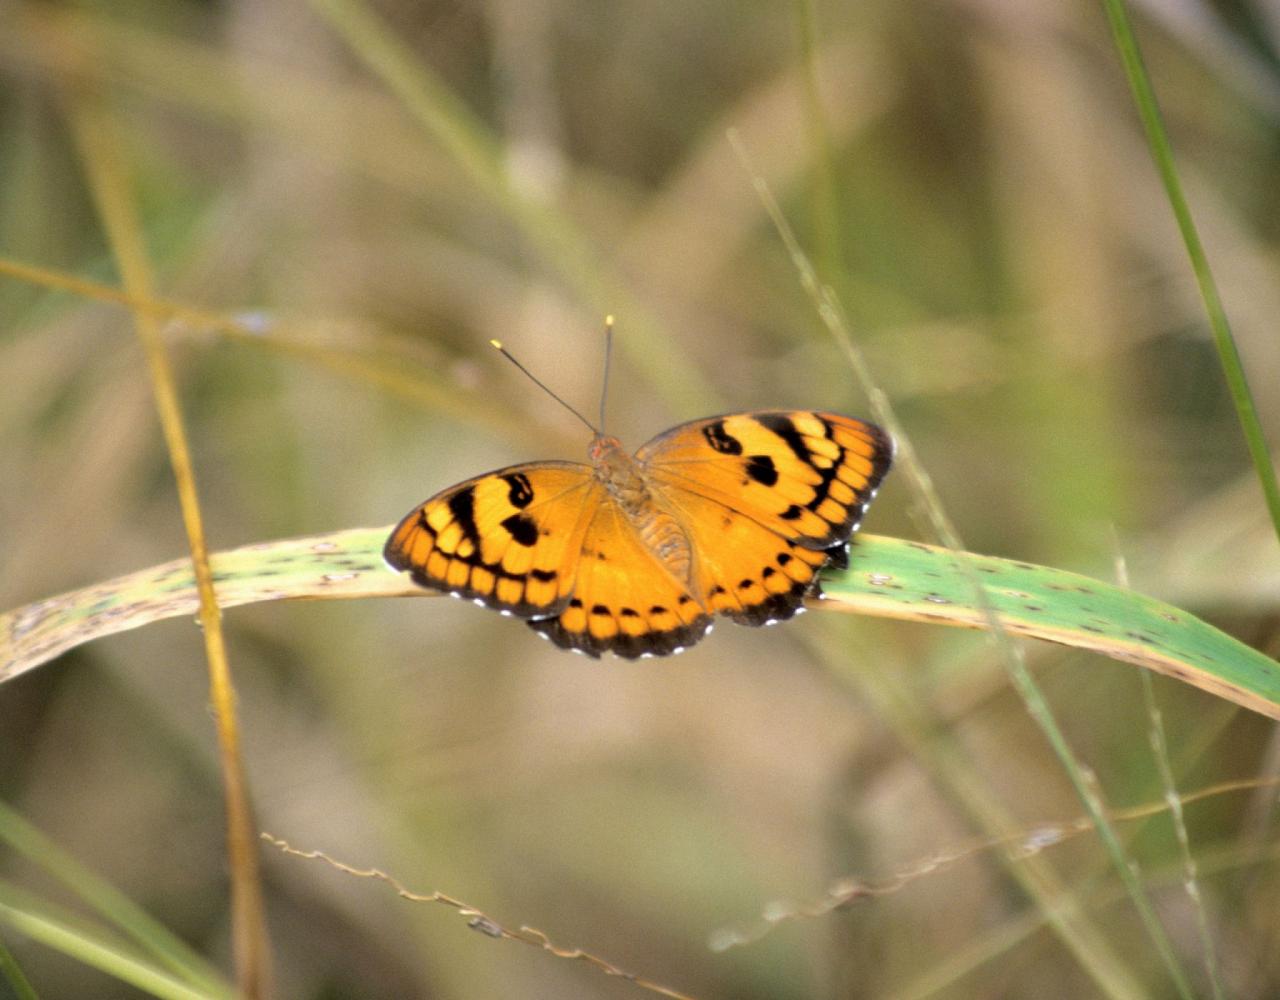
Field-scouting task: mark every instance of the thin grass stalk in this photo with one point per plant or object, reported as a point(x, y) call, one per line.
point(1228, 354)
point(1190, 873)
point(1011, 652)
point(826, 197)
point(938, 979)
point(1164, 766)
point(283, 339)
point(111, 191)
point(451, 123)
point(1035, 875)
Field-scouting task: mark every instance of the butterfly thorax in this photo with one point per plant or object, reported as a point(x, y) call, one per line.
point(624, 480)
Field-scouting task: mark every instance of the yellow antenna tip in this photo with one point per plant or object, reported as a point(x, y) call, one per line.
point(608, 320)
point(497, 344)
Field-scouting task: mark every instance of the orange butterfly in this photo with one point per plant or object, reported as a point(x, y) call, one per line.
point(732, 515)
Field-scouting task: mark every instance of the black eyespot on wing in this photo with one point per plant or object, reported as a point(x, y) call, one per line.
point(762, 470)
point(523, 529)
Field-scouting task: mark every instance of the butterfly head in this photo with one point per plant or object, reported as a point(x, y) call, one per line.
point(607, 452)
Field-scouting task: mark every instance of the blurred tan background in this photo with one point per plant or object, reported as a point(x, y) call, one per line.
point(970, 178)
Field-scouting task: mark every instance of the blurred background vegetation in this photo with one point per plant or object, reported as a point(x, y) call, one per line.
point(970, 178)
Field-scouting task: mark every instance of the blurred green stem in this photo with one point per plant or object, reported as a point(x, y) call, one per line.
point(11, 975)
point(1158, 140)
point(825, 203)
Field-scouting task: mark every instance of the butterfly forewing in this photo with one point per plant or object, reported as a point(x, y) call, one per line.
point(509, 538)
point(805, 476)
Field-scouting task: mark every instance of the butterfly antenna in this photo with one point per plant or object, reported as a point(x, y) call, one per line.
point(608, 356)
point(541, 385)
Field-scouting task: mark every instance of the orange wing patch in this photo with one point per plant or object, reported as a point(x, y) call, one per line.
point(744, 570)
point(624, 600)
point(805, 476)
point(509, 539)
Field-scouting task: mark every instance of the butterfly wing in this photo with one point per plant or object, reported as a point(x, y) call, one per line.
point(768, 499)
point(624, 600)
point(509, 539)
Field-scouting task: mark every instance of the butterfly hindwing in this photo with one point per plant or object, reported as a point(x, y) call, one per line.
point(806, 476)
point(624, 600)
point(509, 539)
point(745, 570)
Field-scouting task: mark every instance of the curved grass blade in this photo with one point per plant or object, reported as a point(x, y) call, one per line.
point(94, 947)
point(887, 577)
point(1051, 604)
point(148, 934)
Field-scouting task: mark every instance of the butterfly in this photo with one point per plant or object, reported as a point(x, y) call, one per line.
point(732, 515)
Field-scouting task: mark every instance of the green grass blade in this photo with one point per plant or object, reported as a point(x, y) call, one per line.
point(1162, 153)
point(910, 580)
point(13, 977)
point(108, 902)
point(78, 940)
point(887, 577)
